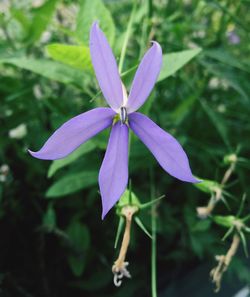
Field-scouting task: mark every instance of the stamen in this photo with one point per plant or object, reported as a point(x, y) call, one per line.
point(123, 114)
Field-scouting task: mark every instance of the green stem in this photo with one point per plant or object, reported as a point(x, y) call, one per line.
point(153, 242)
point(143, 36)
point(127, 34)
point(150, 9)
point(153, 256)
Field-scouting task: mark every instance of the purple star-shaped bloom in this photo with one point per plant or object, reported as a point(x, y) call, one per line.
point(113, 175)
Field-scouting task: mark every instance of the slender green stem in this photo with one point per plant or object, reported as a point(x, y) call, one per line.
point(153, 255)
point(150, 9)
point(146, 27)
point(127, 34)
point(153, 242)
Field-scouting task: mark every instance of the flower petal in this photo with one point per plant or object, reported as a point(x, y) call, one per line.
point(105, 67)
point(75, 132)
point(113, 175)
point(166, 149)
point(145, 77)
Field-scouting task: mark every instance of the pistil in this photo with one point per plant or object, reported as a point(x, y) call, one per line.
point(119, 268)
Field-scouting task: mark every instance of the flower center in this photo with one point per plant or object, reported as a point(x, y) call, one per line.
point(123, 115)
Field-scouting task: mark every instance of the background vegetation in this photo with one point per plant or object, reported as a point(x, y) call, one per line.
point(52, 239)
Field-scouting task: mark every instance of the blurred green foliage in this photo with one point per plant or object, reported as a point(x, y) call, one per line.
point(53, 242)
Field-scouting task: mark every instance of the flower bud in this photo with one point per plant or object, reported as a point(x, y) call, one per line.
point(230, 159)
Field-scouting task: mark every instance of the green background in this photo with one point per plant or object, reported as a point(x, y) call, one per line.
point(52, 239)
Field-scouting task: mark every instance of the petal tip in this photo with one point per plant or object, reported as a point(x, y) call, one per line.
point(33, 154)
point(105, 212)
point(95, 24)
point(197, 181)
point(192, 180)
point(156, 44)
point(40, 155)
point(94, 30)
point(153, 42)
point(188, 177)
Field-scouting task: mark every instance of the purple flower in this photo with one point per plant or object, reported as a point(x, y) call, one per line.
point(233, 37)
point(113, 175)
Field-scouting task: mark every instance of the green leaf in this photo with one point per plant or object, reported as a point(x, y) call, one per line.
point(19, 15)
point(73, 55)
point(41, 18)
point(58, 164)
point(91, 11)
point(217, 121)
point(76, 264)
point(200, 242)
point(226, 58)
point(72, 183)
point(49, 218)
point(79, 235)
point(236, 79)
point(47, 68)
point(201, 226)
point(80, 239)
point(174, 61)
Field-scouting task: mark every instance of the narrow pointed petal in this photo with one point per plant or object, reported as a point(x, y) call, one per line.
point(145, 77)
point(75, 132)
point(105, 67)
point(166, 149)
point(113, 175)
